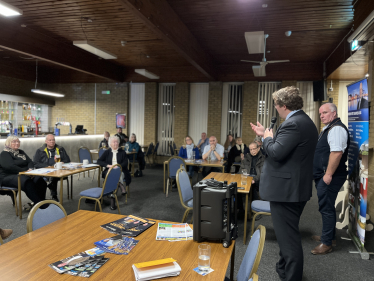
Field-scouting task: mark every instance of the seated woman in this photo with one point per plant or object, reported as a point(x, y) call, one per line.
point(186, 152)
point(14, 160)
point(112, 156)
point(133, 146)
point(230, 142)
point(104, 142)
point(235, 154)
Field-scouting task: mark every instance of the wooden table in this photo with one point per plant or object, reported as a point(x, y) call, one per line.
point(56, 174)
point(28, 257)
point(247, 191)
point(205, 163)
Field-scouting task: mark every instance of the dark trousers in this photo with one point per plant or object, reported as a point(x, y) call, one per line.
point(326, 200)
point(53, 186)
point(286, 217)
point(208, 170)
point(34, 188)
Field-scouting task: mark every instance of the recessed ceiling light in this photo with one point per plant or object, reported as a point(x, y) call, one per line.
point(89, 47)
point(89, 20)
point(9, 10)
point(264, 5)
point(23, 25)
point(147, 74)
point(268, 51)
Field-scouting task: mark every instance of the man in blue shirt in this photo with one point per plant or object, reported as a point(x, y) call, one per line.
point(214, 151)
point(203, 142)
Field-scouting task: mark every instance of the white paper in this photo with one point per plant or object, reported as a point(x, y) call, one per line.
point(41, 171)
point(90, 165)
point(174, 232)
point(143, 274)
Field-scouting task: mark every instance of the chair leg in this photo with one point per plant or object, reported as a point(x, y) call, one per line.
point(99, 205)
point(67, 186)
point(185, 216)
point(253, 222)
point(119, 212)
point(95, 205)
point(79, 203)
point(191, 222)
point(15, 202)
point(93, 177)
point(167, 188)
point(128, 190)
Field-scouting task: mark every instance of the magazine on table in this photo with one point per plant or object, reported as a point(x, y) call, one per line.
point(174, 232)
point(119, 244)
point(76, 260)
point(129, 226)
point(89, 268)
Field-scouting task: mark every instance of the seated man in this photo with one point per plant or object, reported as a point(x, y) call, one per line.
point(259, 142)
point(45, 156)
point(104, 142)
point(215, 151)
point(253, 163)
point(203, 142)
point(122, 137)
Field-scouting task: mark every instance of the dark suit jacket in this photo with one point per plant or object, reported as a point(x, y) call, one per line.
point(362, 103)
point(106, 159)
point(287, 174)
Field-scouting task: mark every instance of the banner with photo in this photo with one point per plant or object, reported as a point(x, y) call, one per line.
point(358, 155)
point(121, 120)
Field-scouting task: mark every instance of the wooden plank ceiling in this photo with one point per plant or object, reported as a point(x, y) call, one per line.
point(179, 40)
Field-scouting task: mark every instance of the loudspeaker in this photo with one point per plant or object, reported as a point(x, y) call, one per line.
point(319, 90)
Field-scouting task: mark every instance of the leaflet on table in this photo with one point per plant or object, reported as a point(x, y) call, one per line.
point(76, 260)
point(71, 164)
point(41, 171)
point(89, 268)
point(90, 165)
point(119, 244)
point(130, 226)
point(174, 232)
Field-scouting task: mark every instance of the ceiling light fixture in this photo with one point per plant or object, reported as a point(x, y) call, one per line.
point(147, 74)
point(288, 33)
point(89, 47)
point(42, 92)
point(9, 10)
point(264, 5)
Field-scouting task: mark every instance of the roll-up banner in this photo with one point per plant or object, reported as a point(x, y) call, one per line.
point(358, 155)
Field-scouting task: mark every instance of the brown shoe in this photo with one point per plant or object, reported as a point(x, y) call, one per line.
point(322, 249)
point(5, 233)
point(318, 239)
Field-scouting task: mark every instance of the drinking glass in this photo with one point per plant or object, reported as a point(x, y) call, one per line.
point(232, 170)
point(244, 179)
point(193, 155)
point(57, 158)
point(204, 257)
point(244, 172)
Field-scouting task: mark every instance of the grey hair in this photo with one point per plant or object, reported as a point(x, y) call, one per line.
point(333, 108)
point(48, 135)
point(9, 140)
point(113, 138)
point(254, 143)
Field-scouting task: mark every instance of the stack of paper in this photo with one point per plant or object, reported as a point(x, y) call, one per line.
point(156, 269)
point(174, 232)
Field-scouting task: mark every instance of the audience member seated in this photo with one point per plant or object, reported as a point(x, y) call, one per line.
point(14, 160)
point(104, 142)
point(253, 163)
point(235, 154)
point(5, 233)
point(112, 156)
point(259, 142)
point(133, 146)
point(122, 137)
point(229, 143)
point(203, 142)
point(213, 152)
point(45, 156)
point(186, 152)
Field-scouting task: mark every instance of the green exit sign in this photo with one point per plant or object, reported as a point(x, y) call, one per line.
point(105, 92)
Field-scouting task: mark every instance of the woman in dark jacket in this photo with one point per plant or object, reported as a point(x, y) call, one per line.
point(14, 160)
point(186, 152)
point(235, 153)
point(112, 156)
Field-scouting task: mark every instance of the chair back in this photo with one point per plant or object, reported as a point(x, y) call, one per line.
point(174, 163)
point(111, 180)
point(84, 153)
point(156, 148)
point(184, 186)
point(41, 217)
point(252, 255)
point(150, 149)
point(101, 151)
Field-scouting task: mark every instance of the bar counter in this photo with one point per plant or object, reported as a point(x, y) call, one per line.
point(71, 143)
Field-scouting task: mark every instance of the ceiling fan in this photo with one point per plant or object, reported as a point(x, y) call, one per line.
point(259, 70)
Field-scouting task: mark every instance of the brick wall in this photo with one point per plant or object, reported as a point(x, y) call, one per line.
point(250, 102)
point(78, 106)
point(150, 113)
point(215, 110)
point(181, 112)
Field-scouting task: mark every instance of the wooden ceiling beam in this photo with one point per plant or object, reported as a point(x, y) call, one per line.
point(164, 22)
point(28, 42)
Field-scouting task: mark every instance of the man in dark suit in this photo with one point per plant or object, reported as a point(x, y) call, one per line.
point(362, 102)
point(287, 175)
